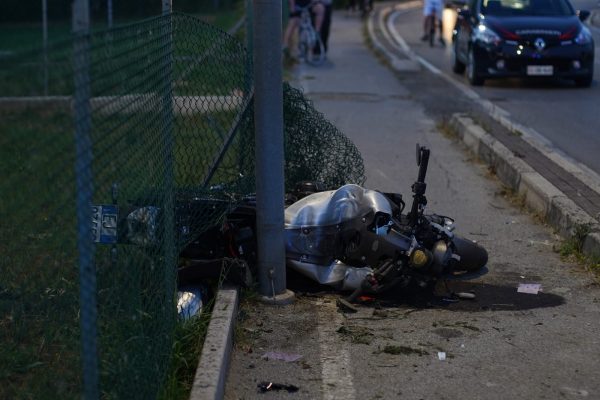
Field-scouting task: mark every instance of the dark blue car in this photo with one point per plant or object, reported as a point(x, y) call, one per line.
point(523, 38)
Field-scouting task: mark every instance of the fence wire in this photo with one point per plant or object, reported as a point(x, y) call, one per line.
point(168, 115)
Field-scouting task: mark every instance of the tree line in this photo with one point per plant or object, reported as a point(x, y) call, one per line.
point(19, 11)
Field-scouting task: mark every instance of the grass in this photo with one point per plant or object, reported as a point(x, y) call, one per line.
point(572, 249)
point(142, 349)
point(356, 334)
point(187, 346)
point(39, 291)
point(16, 37)
point(39, 298)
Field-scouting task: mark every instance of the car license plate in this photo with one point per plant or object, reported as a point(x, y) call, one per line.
point(104, 223)
point(540, 70)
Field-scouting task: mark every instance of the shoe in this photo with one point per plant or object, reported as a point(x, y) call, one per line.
point(442, 42)
point(425, 37)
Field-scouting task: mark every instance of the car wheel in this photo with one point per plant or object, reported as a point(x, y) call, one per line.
point(458, 67)
point(474, 78)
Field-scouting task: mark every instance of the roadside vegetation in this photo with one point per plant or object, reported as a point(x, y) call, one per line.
point(570, 248)
point(40, 355)
point(18, 35)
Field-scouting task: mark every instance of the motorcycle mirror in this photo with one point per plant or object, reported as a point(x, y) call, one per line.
point(418, 155)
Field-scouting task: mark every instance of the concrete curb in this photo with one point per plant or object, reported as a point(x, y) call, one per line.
point(209, 382)
point(395, 62)
point(539, 195)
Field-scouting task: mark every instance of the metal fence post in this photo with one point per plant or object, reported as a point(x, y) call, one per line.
point(249, 25)
point(249, 44)
point(167, 136)
point(45, 43)
point(268, 115)
point(84, 182)
point(109, 13)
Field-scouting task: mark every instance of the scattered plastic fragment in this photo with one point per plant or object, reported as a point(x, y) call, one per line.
point(366, 299)
point(441, 355)
point(269, 386)
point(465, 295)
point(345, 306)
point(449, 300)
point(531, 288)
point(272, 355)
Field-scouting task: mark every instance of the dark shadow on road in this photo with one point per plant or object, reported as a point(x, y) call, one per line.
point(488, 297)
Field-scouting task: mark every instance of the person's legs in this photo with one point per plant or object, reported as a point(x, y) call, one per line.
point(439, 18)
point(319, 10)
point(291, 28)
point(427, 14)
point(351, 5)
point(326, 25)
point(427, 21)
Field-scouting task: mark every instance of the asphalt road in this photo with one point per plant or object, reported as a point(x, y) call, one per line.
point(566, 117)
point(503, 345)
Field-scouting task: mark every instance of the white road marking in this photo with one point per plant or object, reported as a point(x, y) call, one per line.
point(530, 135)
point(335, 355)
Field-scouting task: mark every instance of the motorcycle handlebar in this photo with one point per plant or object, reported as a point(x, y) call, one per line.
point(419, 186)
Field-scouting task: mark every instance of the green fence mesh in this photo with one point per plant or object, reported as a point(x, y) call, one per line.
point(164, 115)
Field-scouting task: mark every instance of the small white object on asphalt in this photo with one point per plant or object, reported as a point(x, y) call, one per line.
point(441, 355)
point(531, 288)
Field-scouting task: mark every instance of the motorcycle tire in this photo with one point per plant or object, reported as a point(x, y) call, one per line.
point(472, 256)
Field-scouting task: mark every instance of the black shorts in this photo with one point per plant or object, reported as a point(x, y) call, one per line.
point(299, 6)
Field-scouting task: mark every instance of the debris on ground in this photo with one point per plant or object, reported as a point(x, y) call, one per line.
point(465, 295)
point(287, 357)
point(356, 334)
point(405, 350)
point(345, 306)
point(270, 386)
point(530, 288)
point(380, 313)
point(441, 355)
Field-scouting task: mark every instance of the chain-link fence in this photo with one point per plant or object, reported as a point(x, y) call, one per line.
point(143, 117)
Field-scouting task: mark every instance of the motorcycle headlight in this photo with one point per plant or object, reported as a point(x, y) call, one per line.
point(420, 258)
point(486, 35)
point(584, 36)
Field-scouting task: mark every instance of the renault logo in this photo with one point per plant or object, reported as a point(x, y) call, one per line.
point(539, 44)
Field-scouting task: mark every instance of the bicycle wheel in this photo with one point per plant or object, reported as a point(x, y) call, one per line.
point(303, 44)
point(316, 51)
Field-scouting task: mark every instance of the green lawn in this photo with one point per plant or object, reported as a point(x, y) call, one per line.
point(39, 284)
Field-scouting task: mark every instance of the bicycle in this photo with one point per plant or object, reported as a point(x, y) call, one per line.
point(433, 23)
point(310, 45)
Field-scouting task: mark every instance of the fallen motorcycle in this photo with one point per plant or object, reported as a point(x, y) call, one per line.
point(358, 239)
point(352, 238)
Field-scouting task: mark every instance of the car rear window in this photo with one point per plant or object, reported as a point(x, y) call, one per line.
point(526, 8)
